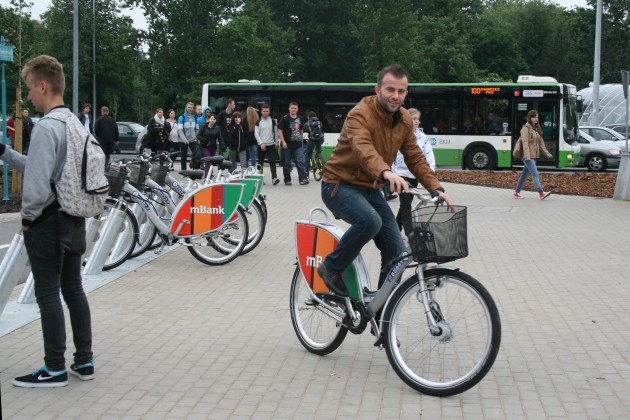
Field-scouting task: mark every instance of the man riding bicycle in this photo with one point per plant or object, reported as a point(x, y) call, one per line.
point(373, 132)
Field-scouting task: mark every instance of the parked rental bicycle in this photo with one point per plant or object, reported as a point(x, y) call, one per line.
point(201, 221)
point(440, 327)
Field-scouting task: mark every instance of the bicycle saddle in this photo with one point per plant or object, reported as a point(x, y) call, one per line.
point(192, 173)
point(215, 160)
point(226, 164)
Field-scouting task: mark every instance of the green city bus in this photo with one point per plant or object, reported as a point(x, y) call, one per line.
point(472, 125)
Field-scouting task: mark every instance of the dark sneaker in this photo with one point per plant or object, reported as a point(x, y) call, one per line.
point(379, 340)
point(42, 378)
point(275, 181)
point(333, 281)
point(85, 372)
point(391, 196)
point(304, 182)
point(287, 183)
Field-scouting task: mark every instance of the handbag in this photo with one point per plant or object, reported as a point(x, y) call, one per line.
point(518, 149)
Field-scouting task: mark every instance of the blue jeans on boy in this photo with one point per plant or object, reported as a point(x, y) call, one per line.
point(529, 166)
point(312, 145)
point(296, 155)
point(370, 217)
point(55, 246)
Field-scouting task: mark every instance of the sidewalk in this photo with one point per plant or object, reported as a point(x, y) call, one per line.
point(178, 339)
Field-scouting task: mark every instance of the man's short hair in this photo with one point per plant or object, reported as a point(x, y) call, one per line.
point(293, 103)
point(104, 110)
point(395, 70)
point(45, 68)
point(86, 104)
point(265, 106)
point(229, 101)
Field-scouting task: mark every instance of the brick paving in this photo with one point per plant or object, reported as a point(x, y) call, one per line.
point(178, 339)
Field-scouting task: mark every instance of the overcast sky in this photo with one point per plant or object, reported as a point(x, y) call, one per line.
point(40, 6)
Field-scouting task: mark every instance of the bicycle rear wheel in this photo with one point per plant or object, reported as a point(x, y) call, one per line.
point(320, 331)
point(462, 353)
point(221, 245)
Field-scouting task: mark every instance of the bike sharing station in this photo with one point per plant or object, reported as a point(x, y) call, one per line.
point(203, 210)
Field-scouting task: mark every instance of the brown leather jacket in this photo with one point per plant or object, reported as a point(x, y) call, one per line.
point(368, 144)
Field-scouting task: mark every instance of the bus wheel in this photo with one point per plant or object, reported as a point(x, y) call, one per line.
point(479, 158)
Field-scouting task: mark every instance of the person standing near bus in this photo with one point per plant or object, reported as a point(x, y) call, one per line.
point(224, 121)
point(373, 132)
point(400, 167)
point(266, 133)
point(251, 118)
point(290, 132)
point(533, 145)
point(187, 124)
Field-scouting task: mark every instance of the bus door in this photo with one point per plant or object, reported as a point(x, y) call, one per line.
point(548, 120)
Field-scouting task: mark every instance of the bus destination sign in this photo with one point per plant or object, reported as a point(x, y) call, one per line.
point(485, 90)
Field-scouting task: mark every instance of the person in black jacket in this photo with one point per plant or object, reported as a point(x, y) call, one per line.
point(156, 133)
point(209, 135)
point(106, 132)
point(238, 141)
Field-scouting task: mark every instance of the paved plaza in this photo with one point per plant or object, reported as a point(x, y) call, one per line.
point(179, 339)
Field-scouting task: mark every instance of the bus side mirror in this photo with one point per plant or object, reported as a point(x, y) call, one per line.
point(579, 105)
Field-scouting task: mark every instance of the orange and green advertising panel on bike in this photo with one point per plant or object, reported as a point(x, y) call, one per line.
point(314, 243)
point(207, 209)
point(249, 190)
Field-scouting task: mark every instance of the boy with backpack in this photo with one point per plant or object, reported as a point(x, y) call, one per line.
point(315, 138)
point(53, 236)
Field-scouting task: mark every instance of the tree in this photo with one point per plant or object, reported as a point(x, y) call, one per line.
point(117, 52)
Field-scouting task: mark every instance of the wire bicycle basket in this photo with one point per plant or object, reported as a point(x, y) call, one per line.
point(116, 176)
point(138, 171)
point(158, 173)
point(439, 234)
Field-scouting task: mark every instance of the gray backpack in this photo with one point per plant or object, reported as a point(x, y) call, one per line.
point(82, 189)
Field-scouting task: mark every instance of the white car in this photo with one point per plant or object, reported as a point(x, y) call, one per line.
point(597, 156)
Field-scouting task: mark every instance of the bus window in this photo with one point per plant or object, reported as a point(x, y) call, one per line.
point(335, 115)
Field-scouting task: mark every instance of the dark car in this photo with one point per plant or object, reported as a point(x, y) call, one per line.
point(127, 135)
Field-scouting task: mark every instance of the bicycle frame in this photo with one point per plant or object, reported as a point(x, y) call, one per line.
point(315, 240)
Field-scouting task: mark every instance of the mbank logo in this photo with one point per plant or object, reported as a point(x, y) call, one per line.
point(207, 210)
point(314, 261)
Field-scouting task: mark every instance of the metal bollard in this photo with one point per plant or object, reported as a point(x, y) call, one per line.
point(107, 241)
point(11, 268)
point(28, 291)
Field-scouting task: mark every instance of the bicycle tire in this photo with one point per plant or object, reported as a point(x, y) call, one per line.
point(127, 237)
point(462, 354)
point(146, 238)
point(263, 205)
point(317, 331)
point(213, 248)
point(318, 168)
point(255, 227)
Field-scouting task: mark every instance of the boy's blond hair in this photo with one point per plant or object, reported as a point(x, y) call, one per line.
point(45, 68)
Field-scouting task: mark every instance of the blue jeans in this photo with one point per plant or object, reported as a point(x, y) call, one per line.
point(54, 247)
point(253, 154)
point(370, 218)
point(312, 145)
point(529, 166)
point(297, 156)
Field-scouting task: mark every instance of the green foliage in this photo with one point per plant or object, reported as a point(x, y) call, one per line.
point(191, 42)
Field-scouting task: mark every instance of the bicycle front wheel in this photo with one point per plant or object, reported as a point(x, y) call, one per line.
point(319, 330)
point(461, 354)
point(221, 245)
point(256, 222)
